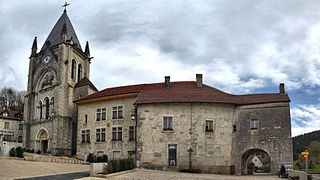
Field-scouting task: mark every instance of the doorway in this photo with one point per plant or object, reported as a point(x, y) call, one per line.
point(172, 155)
point(44, 145)
point(44, 141)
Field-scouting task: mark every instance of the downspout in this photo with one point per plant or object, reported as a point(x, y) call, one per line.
point(135, 143)
point(190, 150)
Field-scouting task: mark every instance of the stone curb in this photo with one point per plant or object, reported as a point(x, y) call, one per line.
point(113, 174)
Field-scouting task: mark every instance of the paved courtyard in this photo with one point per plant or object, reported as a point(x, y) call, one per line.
point(143, 174)
point(11, 168)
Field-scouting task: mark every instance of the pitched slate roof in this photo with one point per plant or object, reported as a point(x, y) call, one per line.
point(11, 114)
point(85, 81)
point(55, 35)
point(187, 91)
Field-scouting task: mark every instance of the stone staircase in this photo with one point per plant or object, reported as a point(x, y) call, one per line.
point(53, 159)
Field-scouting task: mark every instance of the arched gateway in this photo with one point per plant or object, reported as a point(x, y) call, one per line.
point(256, 158)
point(43, 139)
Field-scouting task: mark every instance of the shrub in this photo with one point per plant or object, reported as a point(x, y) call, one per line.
point(27, 150)
point(19, 152)
point(12, 152)
point(24, 149)
point(110, 168)
point(32, 150)
point(91, 158)
point(122, 164)
point(115, 165)
point(130, 163)
point(317, 166)
point(297, 166)
point(38, 152)
point(103, 158)
point(266, 168)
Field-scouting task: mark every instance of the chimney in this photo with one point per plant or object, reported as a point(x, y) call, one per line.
point(199, 80)
point(281, 87)
point(167, 81)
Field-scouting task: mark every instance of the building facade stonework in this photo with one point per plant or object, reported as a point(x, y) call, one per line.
point(177, 125)
point(58, 75)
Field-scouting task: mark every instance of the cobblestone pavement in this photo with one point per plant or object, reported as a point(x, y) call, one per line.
point(142, 174)
point(13, 168)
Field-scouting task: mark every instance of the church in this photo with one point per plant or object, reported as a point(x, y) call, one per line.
point(177, 125)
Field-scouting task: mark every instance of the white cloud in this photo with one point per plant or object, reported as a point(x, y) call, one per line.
point(306, 118)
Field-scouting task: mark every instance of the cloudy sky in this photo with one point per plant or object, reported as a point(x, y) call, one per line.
point(245, 47)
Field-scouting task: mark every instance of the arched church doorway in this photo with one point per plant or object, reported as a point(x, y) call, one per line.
point(255, 161)
point(44, 141)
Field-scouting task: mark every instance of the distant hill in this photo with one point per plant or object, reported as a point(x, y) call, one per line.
point(301, 142)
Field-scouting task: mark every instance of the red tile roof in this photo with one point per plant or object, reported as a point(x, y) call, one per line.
point(186, 91)
point(11, 114)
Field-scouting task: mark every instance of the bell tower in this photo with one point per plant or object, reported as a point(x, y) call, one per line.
point(55, 74)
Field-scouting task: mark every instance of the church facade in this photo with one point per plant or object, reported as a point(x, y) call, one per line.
point(176, 125)
point(54, 81)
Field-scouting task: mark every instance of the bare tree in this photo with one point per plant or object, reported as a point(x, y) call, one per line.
point(12, 99)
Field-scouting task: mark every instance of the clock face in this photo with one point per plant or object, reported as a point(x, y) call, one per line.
point(46, 59)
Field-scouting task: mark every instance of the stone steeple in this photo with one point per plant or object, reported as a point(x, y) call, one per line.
point(87, 51)
point(62, 31)
point(34, 47)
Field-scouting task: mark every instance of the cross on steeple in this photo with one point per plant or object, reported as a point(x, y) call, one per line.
point(65, 6)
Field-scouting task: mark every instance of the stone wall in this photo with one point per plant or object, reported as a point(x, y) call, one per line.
point(62, 121)
point(107, 147)
point(273, 135)
point(211, 150)
point(13, 128)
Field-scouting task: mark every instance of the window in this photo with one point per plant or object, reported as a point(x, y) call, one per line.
point(47, 108)
point(85, 119)
point(5, 114)
point(100, 153)
point(73, 69)
point(88, 135)
point(79, 72)
point(131, 154)
point(132, 133)
point(97, 135)
point(85, 135)
point(52, 106)
point(98, 114)
point(116, 133)
point(20, 126)
point(254, 124)
point(104, 114)
point(117, 112)
point(40, 110)
point(101, 135)
point(209, 126)
point(116, 154)
point(20, 139)
point(6, 125)
point(167, 123)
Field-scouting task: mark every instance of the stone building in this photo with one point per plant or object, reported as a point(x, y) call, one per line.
point(11, 126)
point(175, 125)
point(185, 124)
point(58, 74)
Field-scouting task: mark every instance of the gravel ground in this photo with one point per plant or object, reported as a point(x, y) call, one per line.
point(13, 168)
point(142, 174)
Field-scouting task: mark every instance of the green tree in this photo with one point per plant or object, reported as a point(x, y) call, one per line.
point(314, 150)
